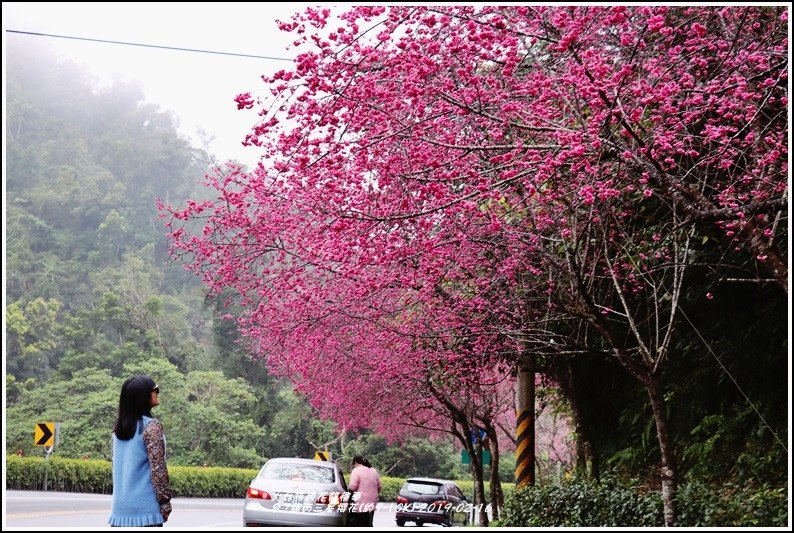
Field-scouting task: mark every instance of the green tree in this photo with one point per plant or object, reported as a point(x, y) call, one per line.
point(417, 456)
point(32, 333)
point(84, 406)
point(205, 416)
point(295, 430)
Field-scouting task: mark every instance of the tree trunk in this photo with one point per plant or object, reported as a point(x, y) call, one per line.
point(462, 430)
point(497, 496)
point(477, 472)
point(656, 395)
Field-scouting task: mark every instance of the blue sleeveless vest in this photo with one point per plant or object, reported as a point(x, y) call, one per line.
point(134, 501)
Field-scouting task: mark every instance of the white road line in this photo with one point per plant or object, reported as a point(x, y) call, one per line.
point(56, 513)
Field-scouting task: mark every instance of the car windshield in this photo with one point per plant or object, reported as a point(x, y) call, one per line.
point(298, 472)
point(422, 488)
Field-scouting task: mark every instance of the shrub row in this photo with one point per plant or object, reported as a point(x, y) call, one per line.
point(59, 474)
point(77, 475)
point(610, 504)
point(390, 487)
point(467, 486)
point(210, 481)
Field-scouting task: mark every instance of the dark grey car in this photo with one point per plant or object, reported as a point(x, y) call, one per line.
point(431, 501)
point(296, 492)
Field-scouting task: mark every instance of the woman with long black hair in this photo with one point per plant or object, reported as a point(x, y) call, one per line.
point(141, 487)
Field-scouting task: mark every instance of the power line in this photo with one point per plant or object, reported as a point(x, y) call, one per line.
point(148, 45)
point(736, 383)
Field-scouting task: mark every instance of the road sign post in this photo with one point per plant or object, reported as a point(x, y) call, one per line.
point(47, 434)
point(47, 451)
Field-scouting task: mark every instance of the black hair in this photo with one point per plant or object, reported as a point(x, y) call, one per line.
point(358, 459)
point(135, 401)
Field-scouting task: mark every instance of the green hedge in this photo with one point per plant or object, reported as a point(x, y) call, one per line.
point(210, 482)
point(390, 487)
point(79, 475)
point(66, 475)
point(467, 486)
point(700, 505)
point(610, 504)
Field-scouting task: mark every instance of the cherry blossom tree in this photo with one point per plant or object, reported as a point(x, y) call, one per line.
point(444, 186)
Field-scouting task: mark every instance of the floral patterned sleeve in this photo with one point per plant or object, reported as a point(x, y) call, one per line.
point(154, 439)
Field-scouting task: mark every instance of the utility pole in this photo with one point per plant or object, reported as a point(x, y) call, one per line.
point(525, 422)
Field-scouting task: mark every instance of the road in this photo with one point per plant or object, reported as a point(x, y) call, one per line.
point(47, 511)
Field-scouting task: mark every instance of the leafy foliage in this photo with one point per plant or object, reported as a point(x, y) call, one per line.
point(612, 504)
point(582, 505)
point(414, 457)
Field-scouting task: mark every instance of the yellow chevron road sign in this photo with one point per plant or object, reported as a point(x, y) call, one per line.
point(44, 434)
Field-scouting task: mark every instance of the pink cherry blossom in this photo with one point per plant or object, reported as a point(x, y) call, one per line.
point(439, 184)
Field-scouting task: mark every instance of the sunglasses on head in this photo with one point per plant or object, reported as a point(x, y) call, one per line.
point(156, 389)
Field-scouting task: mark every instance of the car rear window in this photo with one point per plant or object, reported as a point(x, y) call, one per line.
point(298, 472)
point(419, 487)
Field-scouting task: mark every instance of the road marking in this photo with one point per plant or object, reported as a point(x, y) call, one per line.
point(55, 513)
point(59, 498)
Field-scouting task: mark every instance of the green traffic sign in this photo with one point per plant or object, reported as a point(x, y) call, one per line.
point(465, 457)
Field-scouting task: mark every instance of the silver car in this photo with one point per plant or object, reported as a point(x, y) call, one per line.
point(296, 492)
